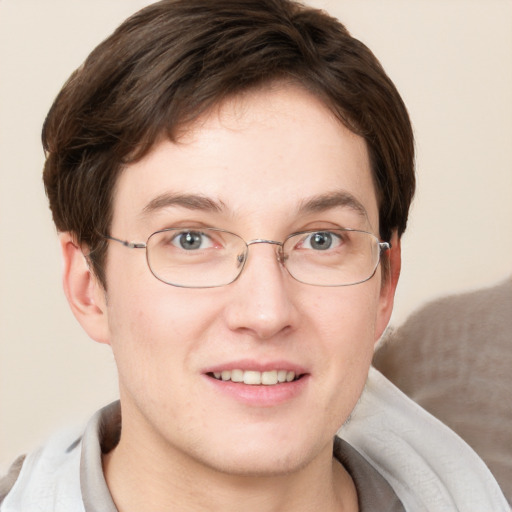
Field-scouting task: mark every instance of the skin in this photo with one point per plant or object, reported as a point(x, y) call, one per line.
point(259, 157)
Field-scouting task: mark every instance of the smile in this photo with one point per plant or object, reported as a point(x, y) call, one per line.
point(255, 378)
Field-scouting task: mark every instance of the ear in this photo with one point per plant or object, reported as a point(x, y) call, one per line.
point(86, 296)
point(388, 288)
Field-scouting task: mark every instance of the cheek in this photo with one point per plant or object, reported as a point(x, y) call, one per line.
point(155, 331)
point(344, 326)
point(345, 318)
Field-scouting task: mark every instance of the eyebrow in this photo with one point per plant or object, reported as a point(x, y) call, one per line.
point(189, 201)
point(332, 200)
point(314, 204)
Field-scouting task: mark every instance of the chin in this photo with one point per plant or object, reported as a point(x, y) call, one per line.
point(264, 455)
point(259, 464)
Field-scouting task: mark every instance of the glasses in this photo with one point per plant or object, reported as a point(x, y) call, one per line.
point(211, 257)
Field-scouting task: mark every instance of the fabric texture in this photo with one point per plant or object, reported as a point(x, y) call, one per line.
point(48, 480)
point(7, 482)
point(430, 468)
point(374, 494)
point(454, 358)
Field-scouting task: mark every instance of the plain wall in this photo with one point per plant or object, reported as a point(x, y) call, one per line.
point(450, 59)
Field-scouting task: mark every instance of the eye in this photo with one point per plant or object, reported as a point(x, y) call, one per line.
point(321, 241)
point(192, 240)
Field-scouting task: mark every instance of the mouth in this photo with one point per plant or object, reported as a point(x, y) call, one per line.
point(256, 378)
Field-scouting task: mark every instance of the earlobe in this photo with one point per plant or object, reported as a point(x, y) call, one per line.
point(389, 284)
point(85, 294)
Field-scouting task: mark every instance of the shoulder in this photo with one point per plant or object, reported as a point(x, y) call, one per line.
point(48, 476)
point(7, 482)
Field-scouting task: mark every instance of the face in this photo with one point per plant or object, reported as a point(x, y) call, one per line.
point(264, 165)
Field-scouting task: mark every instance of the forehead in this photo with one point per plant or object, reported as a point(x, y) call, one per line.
point(260, 156)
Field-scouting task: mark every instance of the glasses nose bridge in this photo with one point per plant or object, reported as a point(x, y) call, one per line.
point(279, 251)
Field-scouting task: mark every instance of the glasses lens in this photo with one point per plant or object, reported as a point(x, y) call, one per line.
point(335, 257)
point(196, 258)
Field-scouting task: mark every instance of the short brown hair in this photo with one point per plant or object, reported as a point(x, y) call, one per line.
point(175, 59)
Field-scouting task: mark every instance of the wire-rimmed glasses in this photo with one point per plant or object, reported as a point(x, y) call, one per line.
point(212, 257)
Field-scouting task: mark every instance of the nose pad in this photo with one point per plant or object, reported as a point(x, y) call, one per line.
point(241, 258)
point(281, 258)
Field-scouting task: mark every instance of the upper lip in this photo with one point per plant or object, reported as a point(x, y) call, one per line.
point(258, 366)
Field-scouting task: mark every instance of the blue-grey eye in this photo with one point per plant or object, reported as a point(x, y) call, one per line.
point(192, 240)
point(321, 240)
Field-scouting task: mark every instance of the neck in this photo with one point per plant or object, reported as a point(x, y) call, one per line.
point(143, 479)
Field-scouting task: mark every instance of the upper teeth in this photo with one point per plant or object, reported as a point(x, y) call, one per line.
point(255, 378)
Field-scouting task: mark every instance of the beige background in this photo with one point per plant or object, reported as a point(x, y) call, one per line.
point(452, 61)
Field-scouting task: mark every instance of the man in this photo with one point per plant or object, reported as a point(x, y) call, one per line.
point(230, 181)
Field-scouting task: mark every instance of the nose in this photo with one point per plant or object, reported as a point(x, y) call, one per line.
point(262, 304)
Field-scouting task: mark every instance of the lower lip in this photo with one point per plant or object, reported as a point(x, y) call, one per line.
point(260, 395)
